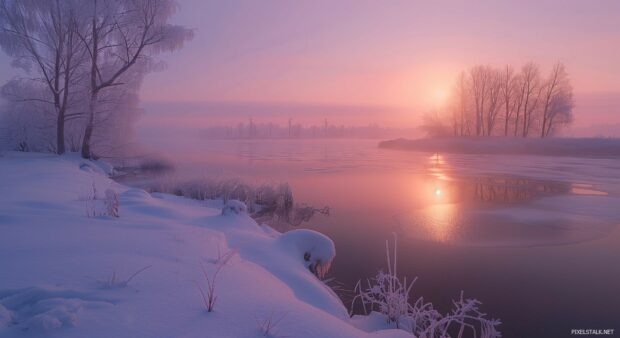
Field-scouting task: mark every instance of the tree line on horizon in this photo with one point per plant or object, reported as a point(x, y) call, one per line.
point(296, 130)
point(488, 101)
point(81, 65)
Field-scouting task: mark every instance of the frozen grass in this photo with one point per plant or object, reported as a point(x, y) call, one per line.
point(268, 327)
point(272, 204)
point(115, 282)
point(390, 295)
point(210, 297)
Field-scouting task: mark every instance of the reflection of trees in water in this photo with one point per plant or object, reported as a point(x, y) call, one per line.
point(512, 190)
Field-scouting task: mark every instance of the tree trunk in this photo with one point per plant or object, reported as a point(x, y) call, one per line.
point(90, 124)
point(525, 117)
point(549, 125)
point(507, 112)
point(88, 132)
point(60, 133)
point(517, 122)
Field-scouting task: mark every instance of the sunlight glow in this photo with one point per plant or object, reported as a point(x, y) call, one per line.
point(440, 96)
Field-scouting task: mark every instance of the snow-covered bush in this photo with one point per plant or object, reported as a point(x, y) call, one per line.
point(111, 202)
point(317, 250)
point(389, 295)
point(464, 317)
point(234, 207)
point(97, 206)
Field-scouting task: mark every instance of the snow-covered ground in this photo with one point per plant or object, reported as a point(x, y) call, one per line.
point(68, 269)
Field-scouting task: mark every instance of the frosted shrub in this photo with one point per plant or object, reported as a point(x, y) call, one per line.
point(111, 202)
point(98, 207)
point(464, 318)
point(390, 295)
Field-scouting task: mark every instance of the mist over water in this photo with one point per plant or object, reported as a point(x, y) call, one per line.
point(545, 226)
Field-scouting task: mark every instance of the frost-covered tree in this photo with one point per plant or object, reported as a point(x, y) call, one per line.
point(122, 36)
point(484, 96)
point(459, 104)
point(479, 80)
point(531, 84)
point(84, 62)
point(557, 99)
point(493, 95)
point(41, 39)
point(26, 123)
point(509, 97)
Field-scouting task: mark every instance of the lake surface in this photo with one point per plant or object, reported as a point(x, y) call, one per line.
point(533, 238)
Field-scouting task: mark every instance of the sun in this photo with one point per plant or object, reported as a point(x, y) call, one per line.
point(440, 96)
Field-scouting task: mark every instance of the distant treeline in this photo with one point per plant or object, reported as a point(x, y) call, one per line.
point(269, 130)
point(487, 101)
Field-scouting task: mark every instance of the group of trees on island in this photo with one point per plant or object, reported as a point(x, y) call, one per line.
point(81, 65)
point(488, 101)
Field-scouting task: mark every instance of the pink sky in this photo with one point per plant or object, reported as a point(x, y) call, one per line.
point(385, 53)
point(380, 52)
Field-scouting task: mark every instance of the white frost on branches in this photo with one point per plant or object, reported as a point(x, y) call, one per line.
point(389, 295)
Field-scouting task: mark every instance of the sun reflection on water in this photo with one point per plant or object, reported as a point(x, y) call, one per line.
point(439, 224)
point(437, 220)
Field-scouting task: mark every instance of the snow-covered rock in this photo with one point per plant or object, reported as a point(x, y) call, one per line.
point(317, 250)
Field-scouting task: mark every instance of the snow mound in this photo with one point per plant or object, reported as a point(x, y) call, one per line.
point(374, 321)
point(317, 250)
point(5, 317)
point(98, 167)
point(234, 207)
point(42, 308)
point(136, 195)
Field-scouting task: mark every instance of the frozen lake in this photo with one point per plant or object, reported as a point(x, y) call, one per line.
point(544, 227)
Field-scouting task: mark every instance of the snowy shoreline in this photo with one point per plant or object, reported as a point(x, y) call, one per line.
point(68, 264)
point(570, 147)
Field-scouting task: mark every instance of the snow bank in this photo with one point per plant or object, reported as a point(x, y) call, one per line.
point(54, 255)
point(574, 147)
point(234, 207)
